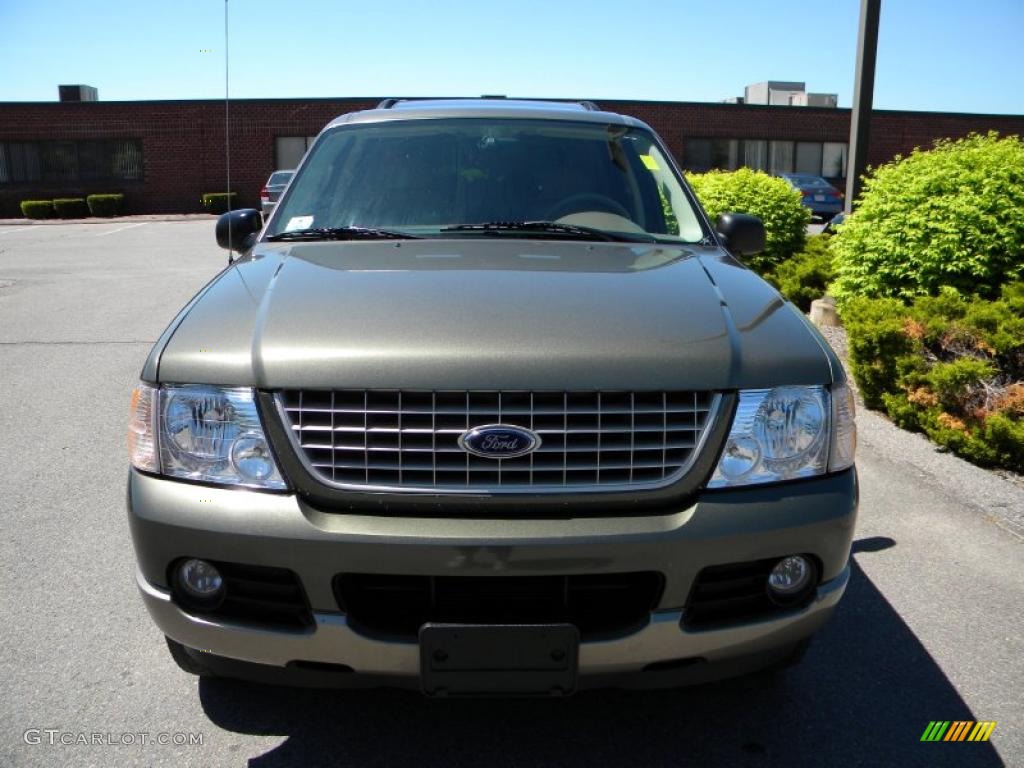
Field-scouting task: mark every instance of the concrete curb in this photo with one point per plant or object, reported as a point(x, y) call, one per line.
point(111, 220)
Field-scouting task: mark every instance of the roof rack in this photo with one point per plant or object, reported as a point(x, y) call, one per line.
point(390, 103)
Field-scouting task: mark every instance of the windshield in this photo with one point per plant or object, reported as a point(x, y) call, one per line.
point(424, 176)
point(279, 177)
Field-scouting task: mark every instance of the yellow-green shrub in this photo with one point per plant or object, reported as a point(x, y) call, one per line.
point(769, 198)
point(949, 216)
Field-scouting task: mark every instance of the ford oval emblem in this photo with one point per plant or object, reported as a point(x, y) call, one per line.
point(499, 441)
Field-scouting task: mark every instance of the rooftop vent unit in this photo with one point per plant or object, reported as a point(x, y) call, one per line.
point(77, 93)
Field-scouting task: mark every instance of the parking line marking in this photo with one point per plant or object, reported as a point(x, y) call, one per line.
point(16, 229)
point(120, 229)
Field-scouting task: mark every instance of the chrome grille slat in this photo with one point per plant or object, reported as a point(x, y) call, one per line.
point(334, 471)
point(407, 440)
point(366, 433)
point(671, 445)
point(433, 435)
point(581, 431)
point(506, 412)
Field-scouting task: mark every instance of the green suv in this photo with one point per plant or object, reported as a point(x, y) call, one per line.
point(489, 406)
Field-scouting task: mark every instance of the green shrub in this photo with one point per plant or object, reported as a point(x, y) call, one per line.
point(878, 345)
point(71, 207)
point(949, 366)
point(217, 202)
point(1005, 438)
point(37, 209)
point(956, 383)
point(1013, 295)
point(105, 205)
point(806, 276)
point(949, 216)
point(771, 199)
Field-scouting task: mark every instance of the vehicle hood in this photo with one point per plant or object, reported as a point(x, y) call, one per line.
point(489, 314)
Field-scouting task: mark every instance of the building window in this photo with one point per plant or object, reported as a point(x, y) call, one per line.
point(755, 154)
point(702, 155)
point(289, 151)
point(826, 159)
point(59, 161)
point(62, 163)
point(833, 164)
point(780, 157)
point(19, 161)
point(808, 157)
point(697, 155)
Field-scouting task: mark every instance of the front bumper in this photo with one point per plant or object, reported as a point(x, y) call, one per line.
point(171, 519)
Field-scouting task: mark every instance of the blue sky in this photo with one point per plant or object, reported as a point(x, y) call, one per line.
point(933, 54)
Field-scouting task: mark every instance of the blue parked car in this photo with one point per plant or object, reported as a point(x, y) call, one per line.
point(822, 198)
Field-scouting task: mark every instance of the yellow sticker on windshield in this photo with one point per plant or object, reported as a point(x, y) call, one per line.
point(649, 163)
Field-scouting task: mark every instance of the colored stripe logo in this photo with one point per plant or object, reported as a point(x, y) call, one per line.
point(958, 730)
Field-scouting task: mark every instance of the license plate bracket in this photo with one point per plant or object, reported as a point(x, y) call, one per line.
point(499, 659)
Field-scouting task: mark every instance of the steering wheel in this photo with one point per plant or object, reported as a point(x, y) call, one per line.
point(585, 201)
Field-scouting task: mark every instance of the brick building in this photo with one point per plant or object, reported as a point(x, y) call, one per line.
point(164, 154)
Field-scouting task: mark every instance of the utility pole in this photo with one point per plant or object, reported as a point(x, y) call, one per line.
point(863, 94)
point(227, 131)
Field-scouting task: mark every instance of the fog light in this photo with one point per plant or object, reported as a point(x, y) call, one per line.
point(791, 579)
point(200, 580)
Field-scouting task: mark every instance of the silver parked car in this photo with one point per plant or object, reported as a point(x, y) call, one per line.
point(489, 406)
point(271, 192)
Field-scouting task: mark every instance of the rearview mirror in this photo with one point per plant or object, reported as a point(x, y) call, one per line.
point(235, 229)
point(743, 233)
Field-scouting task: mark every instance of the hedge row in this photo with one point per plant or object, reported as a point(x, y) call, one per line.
point(928, 282)
point(37, 209)
point(928, 275)
point(218, 202)
point(105, 205)
point(73, 207)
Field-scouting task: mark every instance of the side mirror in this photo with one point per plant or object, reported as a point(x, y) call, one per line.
point(235, 229)
point(743, 234)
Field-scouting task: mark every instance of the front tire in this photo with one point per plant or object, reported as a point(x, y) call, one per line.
point(793, 658)
point(186, 659)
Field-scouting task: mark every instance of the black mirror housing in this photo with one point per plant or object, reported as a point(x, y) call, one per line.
point(236, 228)
point(743, 233)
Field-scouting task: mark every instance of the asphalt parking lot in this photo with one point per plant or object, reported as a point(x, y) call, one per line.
point(931, 627)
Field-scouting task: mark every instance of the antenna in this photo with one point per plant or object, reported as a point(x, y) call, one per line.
point(227, 127)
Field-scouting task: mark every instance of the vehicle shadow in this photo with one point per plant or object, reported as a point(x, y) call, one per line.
point(863, 695)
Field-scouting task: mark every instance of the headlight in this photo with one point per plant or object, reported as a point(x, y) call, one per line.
point(204, 433)
point(786, 433)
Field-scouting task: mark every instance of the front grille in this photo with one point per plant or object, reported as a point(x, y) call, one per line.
point(409, 439)
point(732, 594)
point(257, 595)
point(598, 604)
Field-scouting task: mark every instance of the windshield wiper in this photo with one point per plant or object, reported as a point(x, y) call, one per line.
point(341, 233)
point(551, 228)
